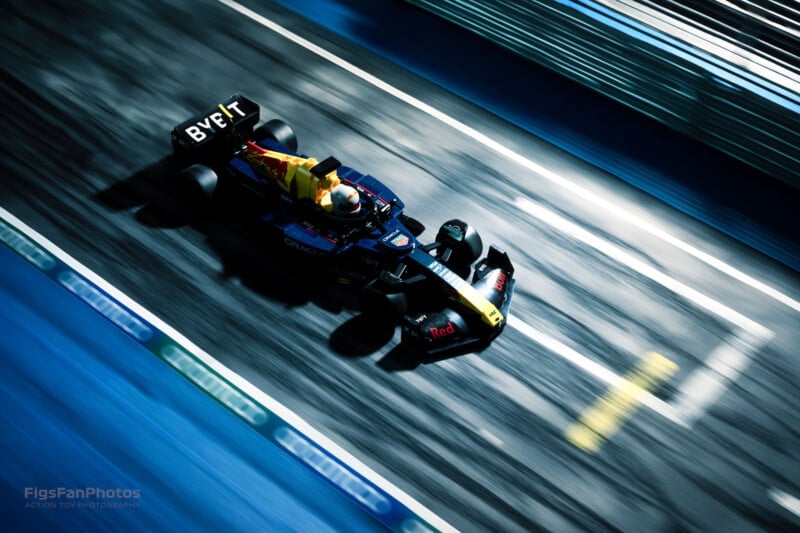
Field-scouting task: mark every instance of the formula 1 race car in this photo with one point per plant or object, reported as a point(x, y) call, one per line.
point(354, 228)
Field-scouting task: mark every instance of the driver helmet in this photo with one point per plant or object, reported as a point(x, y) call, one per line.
point(345, 200)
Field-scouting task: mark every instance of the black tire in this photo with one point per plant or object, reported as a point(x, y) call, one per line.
point(464, 243)
point(198, 183)
point(277, 130)
point(412, 224)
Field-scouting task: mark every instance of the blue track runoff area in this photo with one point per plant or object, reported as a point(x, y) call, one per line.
point(109, 423)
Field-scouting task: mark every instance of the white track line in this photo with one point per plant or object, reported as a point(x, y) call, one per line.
point(490, 143)
point(621, 256)
point(704, 386)
point(254, 392)
point(724, 365)
point(787, 501)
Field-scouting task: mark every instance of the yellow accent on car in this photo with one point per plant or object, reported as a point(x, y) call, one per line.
point(293, 175)
point(490, 314)
point(225, 110)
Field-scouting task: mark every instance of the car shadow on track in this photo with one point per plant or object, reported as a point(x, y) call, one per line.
point(154, 194)
point(250, 257)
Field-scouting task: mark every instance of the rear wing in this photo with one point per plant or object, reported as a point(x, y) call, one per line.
point(236, 116)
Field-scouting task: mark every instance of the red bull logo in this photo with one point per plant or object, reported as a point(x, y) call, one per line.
point(438, 333)
point(274, 168)
point(500, 281)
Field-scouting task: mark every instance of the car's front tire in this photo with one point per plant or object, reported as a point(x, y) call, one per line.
point(463, 242)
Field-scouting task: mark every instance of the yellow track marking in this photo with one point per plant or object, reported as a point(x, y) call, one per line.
point(604, 418)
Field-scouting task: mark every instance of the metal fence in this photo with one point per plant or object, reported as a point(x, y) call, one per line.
point(726, 72)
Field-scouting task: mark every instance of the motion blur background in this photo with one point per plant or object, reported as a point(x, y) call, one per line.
point(680, 116)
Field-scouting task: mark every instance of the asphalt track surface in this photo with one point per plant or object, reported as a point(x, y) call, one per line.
point(89, 94)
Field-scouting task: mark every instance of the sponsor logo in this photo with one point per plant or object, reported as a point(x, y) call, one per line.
point(336, 473)
point(395, 238)
point(399, 240)
point(438, 333)
point(200, 130)
point(500, 282)
point(117, 314)
point(274, 168)
point(214, 385)
point(25, 248)
point(291, 243)
point(447, 275)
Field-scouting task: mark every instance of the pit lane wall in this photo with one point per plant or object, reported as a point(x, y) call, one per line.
point(726, 76)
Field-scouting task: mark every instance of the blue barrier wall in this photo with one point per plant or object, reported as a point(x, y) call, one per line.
point(701, 81)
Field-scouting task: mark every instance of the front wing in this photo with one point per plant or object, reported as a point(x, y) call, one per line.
point(475, 315)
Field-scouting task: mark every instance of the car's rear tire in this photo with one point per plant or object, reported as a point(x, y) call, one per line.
point(277, 130)
point(464, 243)
point(198, 183)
